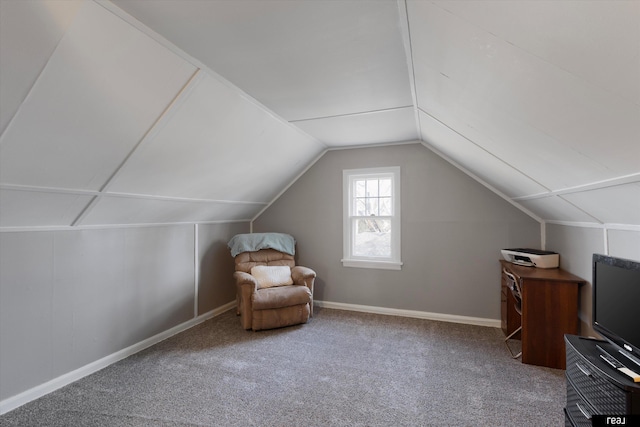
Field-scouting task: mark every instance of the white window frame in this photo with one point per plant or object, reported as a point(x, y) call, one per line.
point(349, 259)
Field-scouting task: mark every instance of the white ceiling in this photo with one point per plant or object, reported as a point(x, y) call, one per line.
point(136, 111)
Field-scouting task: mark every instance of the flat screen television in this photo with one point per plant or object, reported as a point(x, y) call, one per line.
point(616, 303)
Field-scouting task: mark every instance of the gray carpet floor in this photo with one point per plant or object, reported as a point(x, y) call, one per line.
point(340, 369)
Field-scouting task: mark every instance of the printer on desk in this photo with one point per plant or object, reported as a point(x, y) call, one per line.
point(532, 257)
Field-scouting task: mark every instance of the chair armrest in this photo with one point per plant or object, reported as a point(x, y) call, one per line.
point(304, 276)
point(243, 278)
point(301, 275)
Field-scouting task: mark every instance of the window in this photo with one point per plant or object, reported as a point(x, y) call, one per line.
point(372, 218)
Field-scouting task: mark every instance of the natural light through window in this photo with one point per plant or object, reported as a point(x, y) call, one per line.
point(372, 218)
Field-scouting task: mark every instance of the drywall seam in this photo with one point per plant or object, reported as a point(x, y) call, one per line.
point(82, 192)
point(606, 226)
point(580, 209)
point(41, 189)
point(35, 82)
point(111, 226)
point(177, 100)
point(612, 182)
point(284, 190)
point(408, 50)
point(359, 113)
point(383, 144)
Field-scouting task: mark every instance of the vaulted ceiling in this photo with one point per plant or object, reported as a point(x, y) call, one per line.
point(138, 112)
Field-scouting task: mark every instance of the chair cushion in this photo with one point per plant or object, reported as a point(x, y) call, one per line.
point(269, 276)
point(281, 296)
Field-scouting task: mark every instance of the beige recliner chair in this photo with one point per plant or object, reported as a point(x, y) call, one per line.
point(272, 291)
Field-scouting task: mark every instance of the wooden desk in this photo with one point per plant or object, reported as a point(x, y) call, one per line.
point(549, 310)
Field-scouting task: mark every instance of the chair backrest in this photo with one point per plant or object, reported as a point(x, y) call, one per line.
point(245, 261)
point(516, 290)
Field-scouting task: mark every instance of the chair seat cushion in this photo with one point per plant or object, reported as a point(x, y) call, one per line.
point(282, 296)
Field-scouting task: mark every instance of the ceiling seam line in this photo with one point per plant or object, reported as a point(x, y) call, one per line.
point(376, 145)
point(580, 209)
point(486, 151)
point(162, 118)
point(82, 192)
point(35, 82)
point(284, 190)
point(597, 185)
point(606, 225)
point(408, 48)
point(33, 228)
point(180, 199)
point(153, 129)
point(88, 207)
point(382, 110)
point(36, 188)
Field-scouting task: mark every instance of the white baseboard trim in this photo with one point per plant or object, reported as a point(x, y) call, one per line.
point(478, 321)
point(27, 396)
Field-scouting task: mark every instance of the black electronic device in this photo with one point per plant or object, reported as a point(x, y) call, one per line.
point(616, 302)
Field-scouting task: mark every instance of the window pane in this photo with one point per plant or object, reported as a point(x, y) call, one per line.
point(360, 188)
point(360, 208)
point(372, 207)
point(385, 206)
point(385, 187)
point(372, 187)
point(372, 237)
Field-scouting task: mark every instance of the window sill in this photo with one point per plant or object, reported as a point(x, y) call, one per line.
point(384, 265)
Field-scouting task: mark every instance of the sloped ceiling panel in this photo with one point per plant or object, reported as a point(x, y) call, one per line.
point(218, 145)
point(596, 41)
point(554, 208)
point(29, 33)
point(303, 59)
point(100, 92)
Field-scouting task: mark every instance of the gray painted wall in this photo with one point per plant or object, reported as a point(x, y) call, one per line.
point(452, 231)
point(217, 286)
point(576, 246)
point(69, 298)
